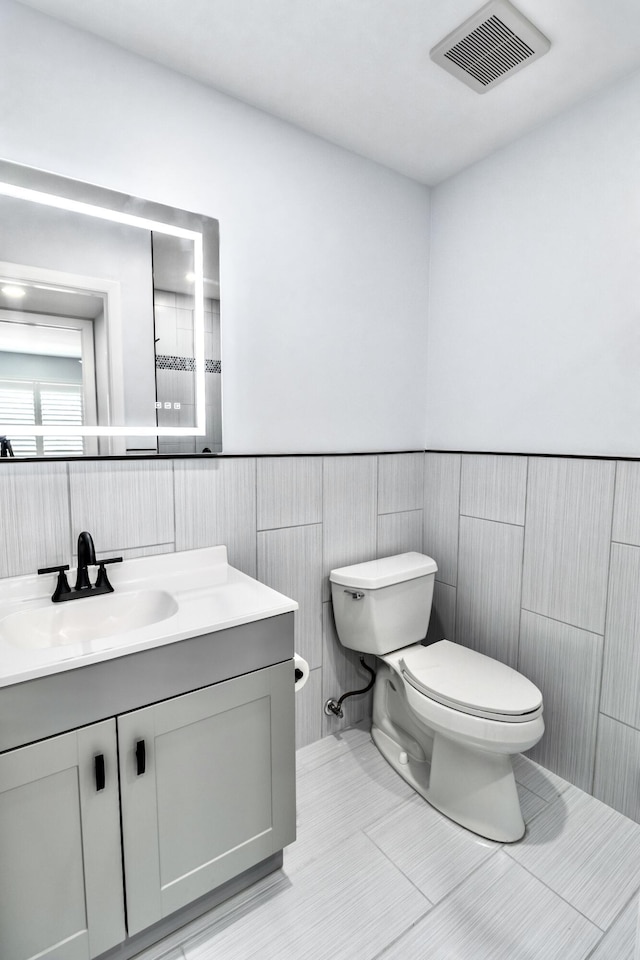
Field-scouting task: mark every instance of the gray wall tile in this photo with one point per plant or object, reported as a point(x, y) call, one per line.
point(341, 672)
point(626, 515)
point(289, 491)
point(566, 557)
point(621, 673)
point(309, 710)
point(122, 504)
point(493, 487)
point(399, 533)
point(400, 481)
point(565, 663)
point(290, 561)
point(617, 779)
point(349, 512)
point(489, 583)
point(216, 504)
point(441, 512)
point(34, 517)
point(442, 624)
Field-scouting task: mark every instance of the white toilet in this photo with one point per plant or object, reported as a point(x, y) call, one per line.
point(445, 717)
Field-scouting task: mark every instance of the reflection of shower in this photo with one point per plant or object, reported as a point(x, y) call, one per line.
point(6, 450)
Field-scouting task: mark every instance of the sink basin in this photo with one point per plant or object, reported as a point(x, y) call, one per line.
point(91, 618)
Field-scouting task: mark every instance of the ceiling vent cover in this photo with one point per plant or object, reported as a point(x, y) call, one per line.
point(490, 46)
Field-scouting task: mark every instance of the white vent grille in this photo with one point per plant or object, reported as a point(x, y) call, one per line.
point(490, 46)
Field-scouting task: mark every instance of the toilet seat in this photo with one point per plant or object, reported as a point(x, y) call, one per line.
point(469, 682)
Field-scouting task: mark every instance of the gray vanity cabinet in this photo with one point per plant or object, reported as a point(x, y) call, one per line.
point(207, 783)
point(60, 862)
point(133, 787)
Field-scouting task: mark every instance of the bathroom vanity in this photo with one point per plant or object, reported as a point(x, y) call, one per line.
point(146, 771)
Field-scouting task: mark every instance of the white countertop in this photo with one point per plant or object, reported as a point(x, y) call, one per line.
point(210, 596)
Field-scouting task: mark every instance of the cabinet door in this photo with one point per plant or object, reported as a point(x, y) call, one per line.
point(210, 794)
point(61, 893)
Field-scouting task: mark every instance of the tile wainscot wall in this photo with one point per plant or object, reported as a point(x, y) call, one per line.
point(538, 566)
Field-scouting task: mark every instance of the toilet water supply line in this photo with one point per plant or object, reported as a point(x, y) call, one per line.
point(334, 707)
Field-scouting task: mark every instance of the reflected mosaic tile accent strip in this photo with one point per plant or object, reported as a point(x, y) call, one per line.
point(166, 362)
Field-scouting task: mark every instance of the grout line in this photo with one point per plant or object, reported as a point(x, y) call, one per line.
point(505, 523)
point(289, 526)
point(565, 623)
point(623, 723)
point(555, 892)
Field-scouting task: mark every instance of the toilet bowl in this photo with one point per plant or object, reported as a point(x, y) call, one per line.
point(447, 718)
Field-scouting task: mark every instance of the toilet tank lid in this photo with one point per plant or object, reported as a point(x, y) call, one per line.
point(374, 574)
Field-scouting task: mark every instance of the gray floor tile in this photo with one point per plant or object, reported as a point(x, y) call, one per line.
point(329, 748)
point(335, 800)
point(500, 913)
point(585, 852)
point(434, 853)
point(622, 940)
point(538, 780)
point(530, 803)
point(326, 912)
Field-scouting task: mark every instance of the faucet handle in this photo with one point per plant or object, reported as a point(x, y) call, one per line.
point(102, 580)
point(62, 586)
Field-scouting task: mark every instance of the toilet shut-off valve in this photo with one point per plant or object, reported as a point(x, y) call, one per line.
point(333, 708)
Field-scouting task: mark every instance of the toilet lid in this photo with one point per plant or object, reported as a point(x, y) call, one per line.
point(470, 682)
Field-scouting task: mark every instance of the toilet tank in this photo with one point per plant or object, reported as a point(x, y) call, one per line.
point(383, 605)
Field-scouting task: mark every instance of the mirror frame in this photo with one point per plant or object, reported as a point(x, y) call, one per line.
point(40, 186)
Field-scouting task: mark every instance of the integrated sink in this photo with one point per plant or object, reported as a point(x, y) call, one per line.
point(91, 618)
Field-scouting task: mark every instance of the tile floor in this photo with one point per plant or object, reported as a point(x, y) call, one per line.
point(376, 874)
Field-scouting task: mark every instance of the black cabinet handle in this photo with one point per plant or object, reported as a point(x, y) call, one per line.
point(141, 757)
point(98, 761)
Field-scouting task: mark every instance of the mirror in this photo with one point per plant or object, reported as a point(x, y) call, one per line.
point(109, 322)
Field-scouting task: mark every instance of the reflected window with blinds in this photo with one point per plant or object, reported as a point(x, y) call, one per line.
point(42, 404)
point(46, 380)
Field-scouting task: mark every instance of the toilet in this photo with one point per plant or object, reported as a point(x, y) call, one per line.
point(446, 718)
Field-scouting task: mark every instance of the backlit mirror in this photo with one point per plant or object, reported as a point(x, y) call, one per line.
point(109, 322)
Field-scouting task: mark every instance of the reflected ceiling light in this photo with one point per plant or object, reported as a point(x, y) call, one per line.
point(190, 277)
point(10, 290)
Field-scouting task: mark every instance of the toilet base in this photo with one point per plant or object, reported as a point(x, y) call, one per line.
point(472, 787)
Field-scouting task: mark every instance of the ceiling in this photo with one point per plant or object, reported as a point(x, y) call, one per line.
point(358, 73)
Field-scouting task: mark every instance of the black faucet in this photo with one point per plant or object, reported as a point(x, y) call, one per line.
point(83, 587)
point(86, 558)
